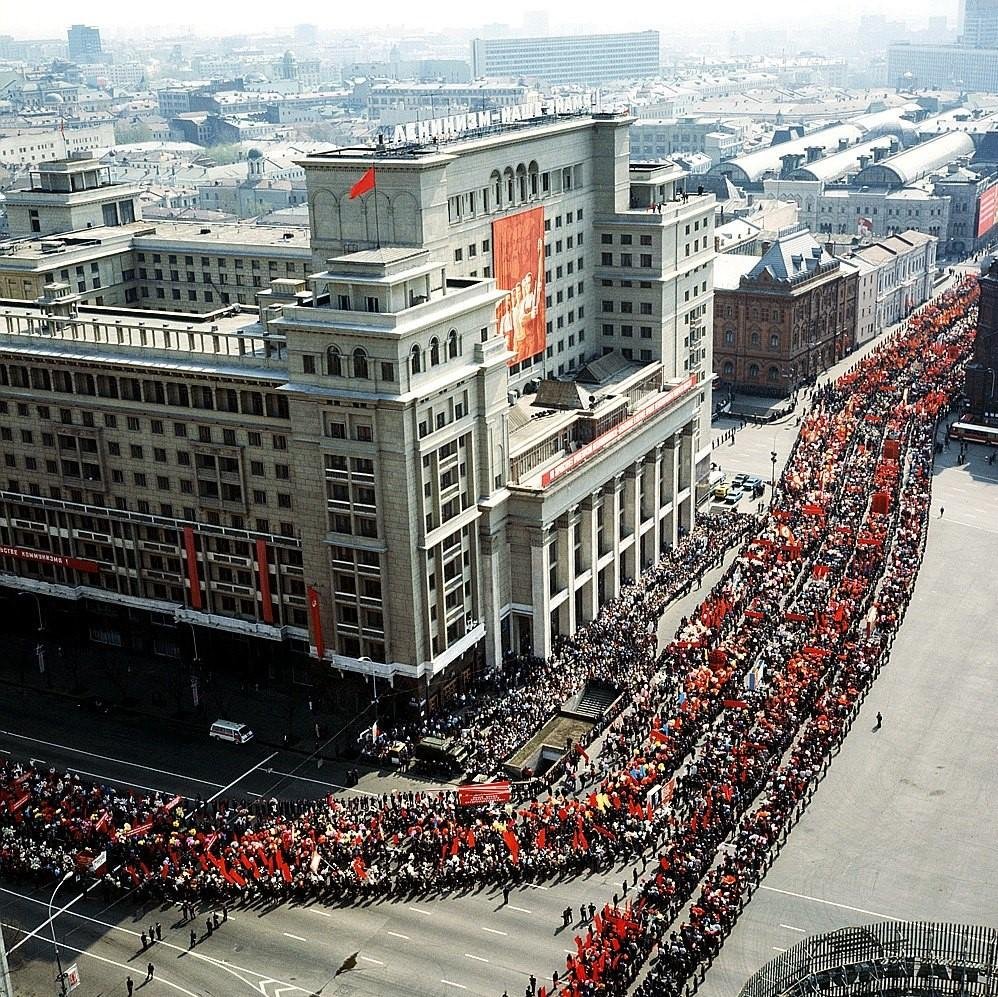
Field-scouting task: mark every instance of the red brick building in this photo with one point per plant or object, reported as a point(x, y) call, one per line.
point(781, 319)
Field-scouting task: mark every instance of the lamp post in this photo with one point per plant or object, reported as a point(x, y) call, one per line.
point(55, 944)
point(38, 607)
point(772, 480)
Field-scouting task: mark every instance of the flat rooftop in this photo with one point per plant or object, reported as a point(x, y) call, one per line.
point(222, 234)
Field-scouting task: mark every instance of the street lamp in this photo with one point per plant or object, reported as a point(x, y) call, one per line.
point(55, 944)
point(772, 482)
point(38, 607)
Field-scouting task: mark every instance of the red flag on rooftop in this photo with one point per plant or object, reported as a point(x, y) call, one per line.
point(363, 185)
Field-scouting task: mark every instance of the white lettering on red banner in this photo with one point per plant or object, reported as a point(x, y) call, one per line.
point(44, 557)
point(486, 792)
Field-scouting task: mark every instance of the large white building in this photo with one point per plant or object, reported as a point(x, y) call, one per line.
point(569, 58)
point(484, 411)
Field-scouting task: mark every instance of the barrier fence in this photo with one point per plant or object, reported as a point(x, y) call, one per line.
point(885, 957)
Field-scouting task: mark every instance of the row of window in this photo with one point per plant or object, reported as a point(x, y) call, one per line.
point(177, 394)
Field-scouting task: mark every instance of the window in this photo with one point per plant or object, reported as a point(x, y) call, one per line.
point(308, 363)
point(415, 360)
point(360, 364)
point(334, 362)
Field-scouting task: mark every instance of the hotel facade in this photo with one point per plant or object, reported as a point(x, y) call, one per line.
point(483, 411)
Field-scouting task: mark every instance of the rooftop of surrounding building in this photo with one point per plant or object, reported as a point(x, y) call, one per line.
point(53, 247)
point(233, 236)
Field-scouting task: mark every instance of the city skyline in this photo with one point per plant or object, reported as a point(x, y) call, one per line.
point(119, 18)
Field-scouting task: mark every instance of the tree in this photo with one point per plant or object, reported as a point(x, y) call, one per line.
point(127, 132)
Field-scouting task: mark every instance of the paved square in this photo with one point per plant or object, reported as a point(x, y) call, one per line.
point(903, 826)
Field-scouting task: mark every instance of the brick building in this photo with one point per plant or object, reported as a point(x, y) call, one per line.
point(781, 319)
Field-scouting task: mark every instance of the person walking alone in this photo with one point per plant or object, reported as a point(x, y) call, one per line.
point(150, 972)
point(880, 720)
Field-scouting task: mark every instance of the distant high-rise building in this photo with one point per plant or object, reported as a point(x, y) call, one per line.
point(84, 43)
point(570, 58)
point(979, 23)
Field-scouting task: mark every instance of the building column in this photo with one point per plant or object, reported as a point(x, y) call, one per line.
point(670, 482)
point(590, 552)
point(540, 593)
point(613, 503)
point(687, 476)
point(656, 488)
point(491, 546)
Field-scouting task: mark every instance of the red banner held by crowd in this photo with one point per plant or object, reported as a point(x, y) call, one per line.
point(485, 792)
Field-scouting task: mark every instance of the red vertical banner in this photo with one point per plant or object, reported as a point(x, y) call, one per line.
point(315, 617)
point(264, 568)
point(192, 567)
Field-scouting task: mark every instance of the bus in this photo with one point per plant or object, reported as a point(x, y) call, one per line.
point(972, 433)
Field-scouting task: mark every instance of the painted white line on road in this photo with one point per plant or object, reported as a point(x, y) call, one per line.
point(233, 969)
point(460, 986)
point(367, 958)
point(4, 751)
point(791, 927)
point(522, 910)
point(249, 771)
point(107, 758)
point(494, 931)
point(111, 962)
point(398, 934)
point(569, 951)
point(321, 913)
point(44, 924)
point(477, 958)
point(297, 938)
point(536, 886)
point(776, 948)
point(120, 782)
point(830, 903)
point(318, 782)
point(428, 913)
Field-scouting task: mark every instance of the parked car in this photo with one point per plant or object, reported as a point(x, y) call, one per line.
point(229, 730)
point(733, 498)
point(721, 491)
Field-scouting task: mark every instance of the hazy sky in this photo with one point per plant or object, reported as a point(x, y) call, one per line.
point(26, 20)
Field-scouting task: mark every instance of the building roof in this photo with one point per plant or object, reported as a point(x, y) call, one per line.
point(918, 161)
point(841, 164)
point(791, 257)
point(225, 236)
point(729, 268)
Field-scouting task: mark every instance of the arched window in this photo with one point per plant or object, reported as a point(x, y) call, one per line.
point(729, 369)
point(774, 341)
point(521, 181)
point(533, 172)
point(753, 371)
point(415, 360)
point(754, 339)
point(729, 337)
point(773, 374)
point(510, 185)
point(495, 182)
point(360, 364)
point(452, 344)
point(434, 352)
point(334, 362)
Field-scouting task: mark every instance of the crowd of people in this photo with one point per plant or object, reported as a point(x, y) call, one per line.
point(729, 725)
point(617, 648)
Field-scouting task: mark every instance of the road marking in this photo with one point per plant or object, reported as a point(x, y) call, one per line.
point(536, 886)
point(297, 938)
point(249, 771)
point(367, 958)
point(107, 758)
point(397, 934)
point(318, 782)
point(791, 927)
point(830, 903)
point(44, 923)
point(460, 986)
point(4, 751)
point(776, 948)
point(120, 782)
point(321, 913)
point(233, 969)
point(428, 913)
point(522, 910)
point(477, 958)
point(111, 962)
point(494, 931)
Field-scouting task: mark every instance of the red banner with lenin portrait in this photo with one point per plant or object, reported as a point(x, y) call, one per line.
point(518, 265)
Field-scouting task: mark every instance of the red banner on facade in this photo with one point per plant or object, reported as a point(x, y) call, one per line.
point(486, 792)
point(44, 557)
point(192, 567)
point(518, 264)
point(264, 568)
point(315, 618)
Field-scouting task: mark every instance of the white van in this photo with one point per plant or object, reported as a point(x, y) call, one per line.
point(227, 730)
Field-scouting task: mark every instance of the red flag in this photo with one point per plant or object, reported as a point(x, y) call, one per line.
point(579, 750)
point(359, 868)
point(658, 736)
point(735, 704)
point(513, 845)
point(542, 838)
point(455, 847)
point(363, 185)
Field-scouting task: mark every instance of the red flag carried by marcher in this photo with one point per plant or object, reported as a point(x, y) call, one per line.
point(363, 185)
point(579, 750)
point(513, 845)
